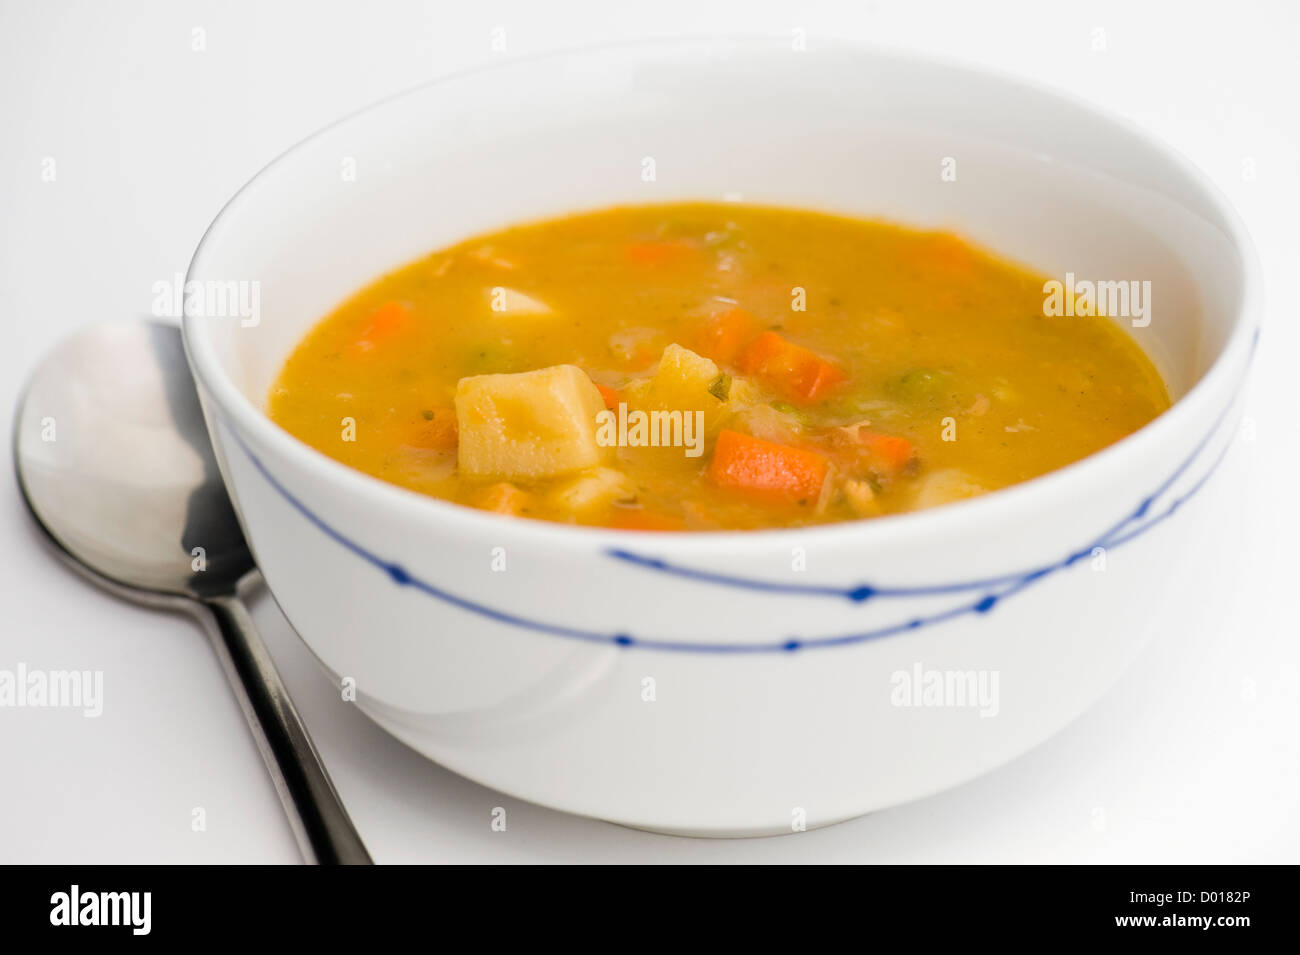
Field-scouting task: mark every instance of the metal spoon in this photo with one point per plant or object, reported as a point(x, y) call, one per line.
point(113, 459)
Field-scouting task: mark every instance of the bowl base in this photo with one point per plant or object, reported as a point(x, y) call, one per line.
point(410, 735)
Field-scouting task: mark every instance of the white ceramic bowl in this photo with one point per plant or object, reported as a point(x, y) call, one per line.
point(701, 683)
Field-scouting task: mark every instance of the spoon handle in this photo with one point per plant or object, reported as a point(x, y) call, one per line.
point(321, 825)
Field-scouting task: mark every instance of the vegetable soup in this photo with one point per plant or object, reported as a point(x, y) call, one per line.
point(705, 366)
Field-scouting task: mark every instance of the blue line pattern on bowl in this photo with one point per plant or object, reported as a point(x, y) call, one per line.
point(992, 590)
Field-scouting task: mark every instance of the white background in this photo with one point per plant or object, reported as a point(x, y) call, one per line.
point(1193, 756)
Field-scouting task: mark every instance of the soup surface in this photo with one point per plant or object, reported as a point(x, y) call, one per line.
point(710, 366)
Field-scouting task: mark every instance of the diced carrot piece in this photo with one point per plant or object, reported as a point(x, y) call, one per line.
point(437, 430)
point(665, 252)
point(797, 373)
point(725, 334)
point(502, 498)
point(385, 323)
point(892, 451)
point(635, 519)
point(764, 469)
point(611, 395)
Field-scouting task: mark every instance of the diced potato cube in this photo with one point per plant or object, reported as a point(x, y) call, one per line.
point(681, 381)
point(943, 487)
point(533, 424)
point(689, 382)
point(594, 490)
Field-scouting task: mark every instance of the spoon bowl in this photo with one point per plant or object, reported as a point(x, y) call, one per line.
point(113, 459)
point(114, 462)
